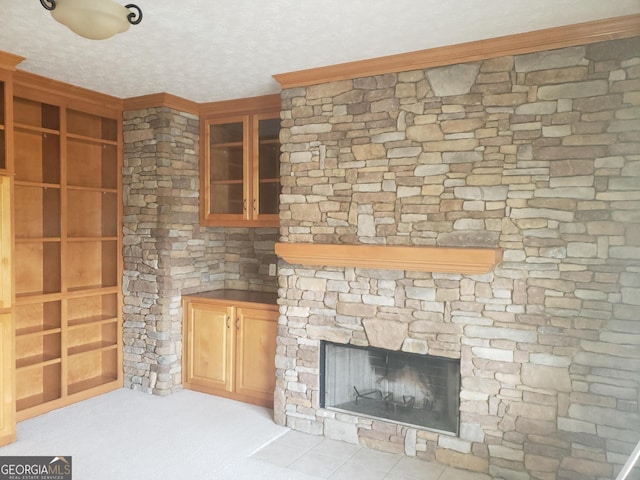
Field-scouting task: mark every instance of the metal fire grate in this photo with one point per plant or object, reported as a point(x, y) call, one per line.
point(406, 388)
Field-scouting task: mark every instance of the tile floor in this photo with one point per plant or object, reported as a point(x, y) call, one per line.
point(322, 457)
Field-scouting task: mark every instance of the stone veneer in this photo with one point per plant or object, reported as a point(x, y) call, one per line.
point(166, 252)
point(538, 154)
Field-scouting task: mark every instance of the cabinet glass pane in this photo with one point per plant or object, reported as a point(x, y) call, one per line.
point(226, 198)
point(226, 151)
point(269, 193)
point(269, 165)
point(226, 163)
point(226, 133)
point(269, 156)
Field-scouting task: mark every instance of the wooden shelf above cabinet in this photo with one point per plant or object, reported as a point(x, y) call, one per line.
point(417, 259)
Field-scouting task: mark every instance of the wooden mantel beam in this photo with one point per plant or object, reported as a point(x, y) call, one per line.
point(392, 257)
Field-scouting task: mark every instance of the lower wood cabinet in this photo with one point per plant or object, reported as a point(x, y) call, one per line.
point(230, 345)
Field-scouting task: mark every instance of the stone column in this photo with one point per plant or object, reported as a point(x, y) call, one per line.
point(164, 250)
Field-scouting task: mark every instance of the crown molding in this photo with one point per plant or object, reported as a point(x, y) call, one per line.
point(261, 104)
point(529, 42)
point(392, 257)
point(161, 100)
point(9, 61)
point(43, 89)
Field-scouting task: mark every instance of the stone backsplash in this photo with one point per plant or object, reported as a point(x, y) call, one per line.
point(537, 154)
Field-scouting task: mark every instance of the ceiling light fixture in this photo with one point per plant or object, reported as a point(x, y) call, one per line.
point(94, 19)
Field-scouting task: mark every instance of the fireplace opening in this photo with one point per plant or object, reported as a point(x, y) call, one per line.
point(407, 388)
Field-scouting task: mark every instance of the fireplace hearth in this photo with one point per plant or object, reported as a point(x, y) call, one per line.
point(406, 388)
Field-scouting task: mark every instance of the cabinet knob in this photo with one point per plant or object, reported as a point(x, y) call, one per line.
point(255, 206)
point(238, 323)
point(244, 204)
point(227, 321)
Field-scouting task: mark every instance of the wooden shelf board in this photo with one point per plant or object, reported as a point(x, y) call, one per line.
point(30, 297)
point(27, 183)
point(92, 239)
point(418, 259)
point(91, 347)
point(98, 290)
point(88, 288)
point(90, 383)
point(37, 330)
point(37, 239)
point(36, 361)
point(34, 400)
point(227, 182)
point(81, 188)
point(96, 320)
point(84, 138)
point(38, 298)
point(35, 129)
point(224, 145)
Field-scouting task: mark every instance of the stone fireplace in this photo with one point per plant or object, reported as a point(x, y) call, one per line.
point(537, 155)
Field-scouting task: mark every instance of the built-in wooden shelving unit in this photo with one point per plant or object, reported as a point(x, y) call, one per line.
point(67, 253)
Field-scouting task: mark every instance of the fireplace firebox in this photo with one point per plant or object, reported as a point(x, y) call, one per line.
point(406, 388)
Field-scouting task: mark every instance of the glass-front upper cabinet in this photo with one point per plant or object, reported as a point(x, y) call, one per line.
point(241, 171)
point(227, 144)
point(266, 183)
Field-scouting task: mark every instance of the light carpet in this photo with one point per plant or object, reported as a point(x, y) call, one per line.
point(131, 435)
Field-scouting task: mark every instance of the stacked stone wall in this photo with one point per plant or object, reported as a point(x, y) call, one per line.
point(166, 251)
point(537, 154)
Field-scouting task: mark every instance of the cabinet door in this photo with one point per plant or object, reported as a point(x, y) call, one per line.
point(209, 340)
point(227, 165)
point(256, 352)
point(266, 168)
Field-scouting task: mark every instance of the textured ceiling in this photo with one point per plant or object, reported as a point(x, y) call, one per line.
point(222, 49)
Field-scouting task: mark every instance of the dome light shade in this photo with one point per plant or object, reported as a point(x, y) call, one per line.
point(94, 19)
